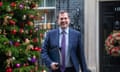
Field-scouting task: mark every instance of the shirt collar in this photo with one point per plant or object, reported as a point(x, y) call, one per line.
point(66, 30)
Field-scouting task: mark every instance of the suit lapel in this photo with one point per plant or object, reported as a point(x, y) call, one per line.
point(70, 40)
point(57, 43)
point(57, 38)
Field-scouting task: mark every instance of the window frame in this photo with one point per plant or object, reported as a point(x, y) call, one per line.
point(45, 7)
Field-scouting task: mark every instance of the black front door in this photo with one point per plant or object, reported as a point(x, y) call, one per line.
point(109, 13)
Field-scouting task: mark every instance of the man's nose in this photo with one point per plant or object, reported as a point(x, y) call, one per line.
point(63, 19)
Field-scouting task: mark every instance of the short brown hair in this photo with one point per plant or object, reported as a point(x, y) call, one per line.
point(61, 12)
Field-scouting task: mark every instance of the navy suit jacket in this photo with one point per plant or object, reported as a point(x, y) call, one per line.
point(50, 49)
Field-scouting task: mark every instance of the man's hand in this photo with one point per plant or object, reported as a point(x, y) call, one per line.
point(54, 66)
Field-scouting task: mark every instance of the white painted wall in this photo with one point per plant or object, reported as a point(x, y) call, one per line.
point(91, 34)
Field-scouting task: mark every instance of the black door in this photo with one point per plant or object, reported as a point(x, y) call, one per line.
point(109, 13)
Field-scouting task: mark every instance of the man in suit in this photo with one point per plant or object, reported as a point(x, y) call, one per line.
point(62, 50)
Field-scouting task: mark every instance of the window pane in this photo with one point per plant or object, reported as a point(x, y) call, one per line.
point(50, 3)
point(42, 3)
point(51, 16)
point(42, 16)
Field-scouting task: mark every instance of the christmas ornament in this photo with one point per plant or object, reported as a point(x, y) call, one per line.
point(14, 31)
point(21, 6)
point(8, 69)
point(44, 71)
point(37, 48)
point(42, 18)
point(13, 58)
point(13, 4)
point(24, 17)
point(35, 40)
point(31, 16)
point(11, 43)
point(1, 3)
point(26, 31)
point(21, 31)
point(30, 23)
point(27, 7)
point(16, 44)
point(36, 28)
point(26, 64)
point(29, 58)
point(18, 65)
point(33, 59)
point(12, 22)
point(18, 40)
point(31, 31)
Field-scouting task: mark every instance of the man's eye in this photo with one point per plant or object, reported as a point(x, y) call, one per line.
point(65, 18)
point(61, 18)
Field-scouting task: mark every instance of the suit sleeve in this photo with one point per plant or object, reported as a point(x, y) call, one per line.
point(81, 54)
point(44, 52)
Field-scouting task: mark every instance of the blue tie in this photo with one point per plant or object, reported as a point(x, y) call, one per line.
point(63, 45)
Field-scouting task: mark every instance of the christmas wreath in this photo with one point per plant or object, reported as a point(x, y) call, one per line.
point(112, 44)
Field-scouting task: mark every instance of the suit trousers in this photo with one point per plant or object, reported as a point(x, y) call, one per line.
point(69, 69)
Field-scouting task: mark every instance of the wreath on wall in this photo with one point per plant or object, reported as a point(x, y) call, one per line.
point(112, 44)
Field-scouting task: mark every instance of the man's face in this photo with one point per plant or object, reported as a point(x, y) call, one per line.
point(63, 20)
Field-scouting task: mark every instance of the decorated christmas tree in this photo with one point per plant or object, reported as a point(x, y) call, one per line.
point(20, 40)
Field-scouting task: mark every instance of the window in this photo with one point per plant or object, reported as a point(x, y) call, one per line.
point(47, 11)
point(47, 3)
